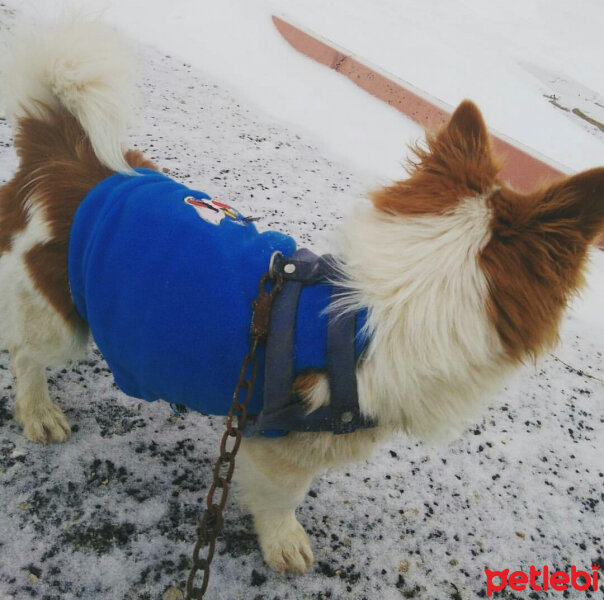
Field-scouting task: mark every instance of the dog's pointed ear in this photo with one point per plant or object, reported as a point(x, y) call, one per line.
point(454, 164)
point(575, 206)
point(466, 132)
point(461, 152)
point(535, 258)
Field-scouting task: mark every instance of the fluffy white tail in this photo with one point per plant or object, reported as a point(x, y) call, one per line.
point(86, 67)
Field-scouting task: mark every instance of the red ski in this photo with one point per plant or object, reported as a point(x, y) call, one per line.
point(524, 168)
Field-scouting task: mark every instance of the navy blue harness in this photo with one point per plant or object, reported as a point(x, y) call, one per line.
point(283, 409)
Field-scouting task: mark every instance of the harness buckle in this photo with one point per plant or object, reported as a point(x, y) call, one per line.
point(275, 265)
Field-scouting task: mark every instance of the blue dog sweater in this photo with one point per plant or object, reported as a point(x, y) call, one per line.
point(165, 277)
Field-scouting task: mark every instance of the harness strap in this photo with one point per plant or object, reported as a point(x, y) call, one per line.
point(282, 410)
point(341, 371)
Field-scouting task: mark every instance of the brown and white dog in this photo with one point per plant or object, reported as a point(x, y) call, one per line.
point(463, 277)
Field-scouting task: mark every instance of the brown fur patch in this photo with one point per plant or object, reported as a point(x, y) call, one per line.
point(456, 164)
point(535, 259)
point(13, 217)
point(46, 264)
point(305, 383)
point(57, 169)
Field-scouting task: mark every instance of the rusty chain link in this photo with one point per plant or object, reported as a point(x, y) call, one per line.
point(211, 522)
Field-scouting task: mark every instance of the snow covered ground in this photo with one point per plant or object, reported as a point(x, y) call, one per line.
point(228, 106)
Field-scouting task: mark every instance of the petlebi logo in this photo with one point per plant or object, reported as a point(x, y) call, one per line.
point(543, 579)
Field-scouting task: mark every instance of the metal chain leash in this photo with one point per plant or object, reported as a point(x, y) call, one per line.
point(211, 522)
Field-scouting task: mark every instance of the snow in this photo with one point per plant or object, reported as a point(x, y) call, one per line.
point(228, 106)
point(504, 55)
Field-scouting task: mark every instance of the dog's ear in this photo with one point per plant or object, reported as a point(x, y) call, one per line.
point(465, 132)
point(536, 256)
point(454, 164)
point(460, 154)
point(574, 207)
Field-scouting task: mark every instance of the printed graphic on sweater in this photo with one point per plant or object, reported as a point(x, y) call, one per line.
point(214, 212)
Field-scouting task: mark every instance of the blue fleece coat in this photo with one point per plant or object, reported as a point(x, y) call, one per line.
point(165, 277)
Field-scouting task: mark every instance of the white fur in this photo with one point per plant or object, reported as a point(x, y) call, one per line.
point(15, 278)
point(88, 68)
point(434, 351)
point(272, 491)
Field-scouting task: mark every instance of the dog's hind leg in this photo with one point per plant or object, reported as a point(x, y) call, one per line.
point(42, 420)
point(45, 339)
point(272, 489)
point(39, 337)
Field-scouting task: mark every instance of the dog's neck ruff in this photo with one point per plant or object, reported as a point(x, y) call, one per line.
point(165, 277)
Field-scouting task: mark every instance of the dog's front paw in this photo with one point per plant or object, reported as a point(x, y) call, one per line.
point(46, 425)
point(284, 544)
